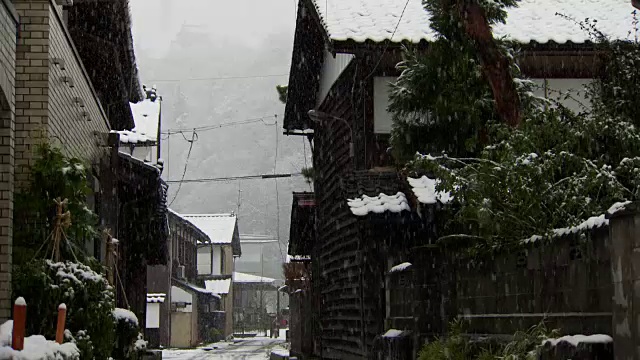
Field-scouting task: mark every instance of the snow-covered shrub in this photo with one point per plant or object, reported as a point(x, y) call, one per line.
point(87, 294)
point(36, 347)
point(129, 342)
point(53, 175)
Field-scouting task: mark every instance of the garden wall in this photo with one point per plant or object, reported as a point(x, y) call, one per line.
point(565, 280)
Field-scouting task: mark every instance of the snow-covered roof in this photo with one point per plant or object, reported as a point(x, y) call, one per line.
point(400, 267)
point(532, 20)
point(146, 115)
point(239, 277)
point(190, 286)
point(156, 297)
point(218, 286)
point(424, 189)
point(378, 204)
point(221, 228)
point(133, 137)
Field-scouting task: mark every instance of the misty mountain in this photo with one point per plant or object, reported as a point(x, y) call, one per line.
point(184, 48)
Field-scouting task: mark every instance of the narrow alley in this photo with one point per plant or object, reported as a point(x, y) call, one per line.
point(250, 348)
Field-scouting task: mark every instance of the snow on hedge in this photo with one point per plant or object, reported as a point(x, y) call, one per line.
point(125, 315)
point(78, 273)
point(36, 347)
point(425, 190)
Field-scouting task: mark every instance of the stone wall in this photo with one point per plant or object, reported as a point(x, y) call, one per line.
point(565, 280)
point(8, 24)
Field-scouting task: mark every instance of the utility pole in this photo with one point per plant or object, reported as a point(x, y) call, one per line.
point(262, 317)
point(277, 313)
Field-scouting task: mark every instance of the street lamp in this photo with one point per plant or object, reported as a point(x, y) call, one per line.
point(323, 118)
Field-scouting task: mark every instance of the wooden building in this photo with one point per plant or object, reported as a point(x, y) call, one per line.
point(344, 57)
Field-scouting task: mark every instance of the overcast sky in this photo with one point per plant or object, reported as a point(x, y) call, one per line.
point(183, 40)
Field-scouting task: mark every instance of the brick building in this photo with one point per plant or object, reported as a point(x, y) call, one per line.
point(48, 94)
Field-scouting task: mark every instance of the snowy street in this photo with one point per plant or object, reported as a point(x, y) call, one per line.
point(257, 348)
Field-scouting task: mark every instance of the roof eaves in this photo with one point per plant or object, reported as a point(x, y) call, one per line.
point(188, 223)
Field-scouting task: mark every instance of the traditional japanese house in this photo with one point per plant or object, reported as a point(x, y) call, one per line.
point(192, 311)
point(54, 91)
point(215, 260)
point(344, 56)
point(255, 302)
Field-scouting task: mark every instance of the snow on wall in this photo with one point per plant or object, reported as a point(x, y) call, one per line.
point(378, 204)
point(580, 339)
point(591, 223)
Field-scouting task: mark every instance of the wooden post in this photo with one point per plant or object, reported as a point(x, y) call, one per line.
point(62, 318)
point(19, 323)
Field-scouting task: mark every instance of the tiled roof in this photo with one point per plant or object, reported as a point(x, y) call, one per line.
point(533, 20)
point(378, 204)
point(156, 298)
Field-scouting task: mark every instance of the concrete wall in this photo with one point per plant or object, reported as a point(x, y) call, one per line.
point(8, 23)
point(181, 329)
point(625, 269)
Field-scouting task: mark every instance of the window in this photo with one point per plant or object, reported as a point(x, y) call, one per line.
point(400, 294)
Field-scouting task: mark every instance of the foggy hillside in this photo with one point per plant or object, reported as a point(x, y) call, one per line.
point(180, 47)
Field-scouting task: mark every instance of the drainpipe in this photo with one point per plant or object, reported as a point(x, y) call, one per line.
point(159, 153)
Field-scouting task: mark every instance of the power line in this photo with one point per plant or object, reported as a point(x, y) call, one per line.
point(227, 124)
point(218, 78)
point(233, 178)
point(390, 40)
point(194, 138)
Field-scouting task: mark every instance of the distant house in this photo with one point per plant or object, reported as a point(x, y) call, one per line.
point(215, 257)
point(255, 301)
point(143, 141)
point(344, 57)
point(186, 314)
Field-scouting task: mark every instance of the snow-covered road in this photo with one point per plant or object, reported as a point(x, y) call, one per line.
point(257, 348)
